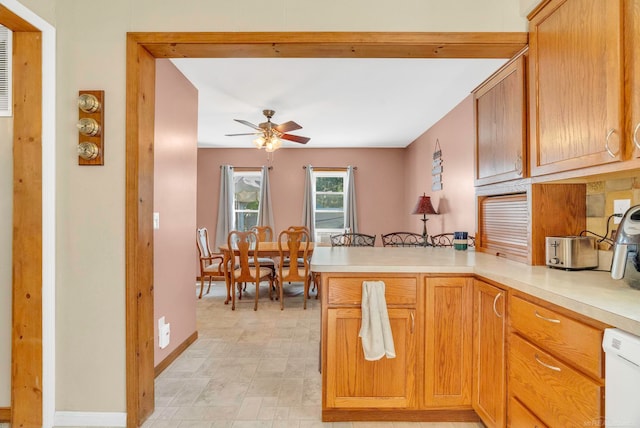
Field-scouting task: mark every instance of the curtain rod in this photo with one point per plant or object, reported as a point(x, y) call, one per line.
point(248, 168)
point(328, 168)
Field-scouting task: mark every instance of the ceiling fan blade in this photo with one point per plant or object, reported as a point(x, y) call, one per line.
point(249, 133)
point(287, 126)
point(244, 122)
point(295, 138)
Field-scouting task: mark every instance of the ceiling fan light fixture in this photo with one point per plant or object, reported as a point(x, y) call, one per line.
point(259, 142)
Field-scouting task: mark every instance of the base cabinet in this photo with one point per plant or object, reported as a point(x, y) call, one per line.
point(355, 382)
point(448, 329)
point(489, 329)
point(555, 365)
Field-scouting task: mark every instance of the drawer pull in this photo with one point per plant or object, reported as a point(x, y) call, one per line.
point(635, 136)
point(543, 364)
point(553, 320)
point(495, 300)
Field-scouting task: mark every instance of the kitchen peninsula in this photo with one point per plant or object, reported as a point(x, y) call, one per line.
point(451, 348)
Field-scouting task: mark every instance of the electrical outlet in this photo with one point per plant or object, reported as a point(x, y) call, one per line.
point(620, 206)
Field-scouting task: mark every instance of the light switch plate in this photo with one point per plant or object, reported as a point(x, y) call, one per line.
point(156, 221)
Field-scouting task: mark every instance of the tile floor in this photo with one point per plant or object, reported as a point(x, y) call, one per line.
point(252, 369)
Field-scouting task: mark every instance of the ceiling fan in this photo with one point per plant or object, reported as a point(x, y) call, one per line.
point(271, 134)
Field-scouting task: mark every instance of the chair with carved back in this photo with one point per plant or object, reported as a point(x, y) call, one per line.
point(403, 239)
point(244, 243)
point(446, 240)
point(353, 240)
point(294, 241)
point(211, 264)
point(265, 234)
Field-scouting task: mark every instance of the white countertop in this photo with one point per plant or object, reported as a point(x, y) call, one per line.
point(588, 292)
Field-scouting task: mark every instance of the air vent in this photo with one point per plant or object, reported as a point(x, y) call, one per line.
point(5, 71)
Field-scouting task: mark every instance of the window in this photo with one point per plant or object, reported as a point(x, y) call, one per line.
point(246, 198)
point(329, 203)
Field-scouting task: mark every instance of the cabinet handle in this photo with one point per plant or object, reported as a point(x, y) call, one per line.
point(413, 321)
point(553, 320)
point(606, 144)
point(495, 300)
point(543, 364)
point(518, 165)
point(635, 136)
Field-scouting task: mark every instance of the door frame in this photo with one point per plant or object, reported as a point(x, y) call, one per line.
point(33, 239)
point(142, 50)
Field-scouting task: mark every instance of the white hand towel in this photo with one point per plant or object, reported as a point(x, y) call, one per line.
point(375, 331)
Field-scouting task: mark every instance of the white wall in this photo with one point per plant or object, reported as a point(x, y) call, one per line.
point(90, 206)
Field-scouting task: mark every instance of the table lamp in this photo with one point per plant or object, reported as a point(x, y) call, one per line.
point(424, 207)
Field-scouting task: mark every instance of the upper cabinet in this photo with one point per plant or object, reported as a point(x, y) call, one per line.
point(576, 85)
point(632, 72)
point(501, 127)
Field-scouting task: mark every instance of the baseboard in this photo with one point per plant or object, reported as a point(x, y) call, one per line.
point(90, 419)
point(5, 414)
point(162, 365)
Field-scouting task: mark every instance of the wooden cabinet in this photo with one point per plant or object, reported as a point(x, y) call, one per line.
point(448, 341)
point(575, 85)
point(489, 331)
point(551, 350)
point(501, 127)
point(355, 382)
point(632, 73)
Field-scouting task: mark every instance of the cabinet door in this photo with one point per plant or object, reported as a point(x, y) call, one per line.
point(489, 354)
point(501, 125)
point(575, 103)
point(632, 72)
point(448, 331)
point(353, 381)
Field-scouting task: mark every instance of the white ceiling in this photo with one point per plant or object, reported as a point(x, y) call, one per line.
point(338, 102)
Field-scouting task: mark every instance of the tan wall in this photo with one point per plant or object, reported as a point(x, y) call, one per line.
point(174, 198)
point(455, 202)
point(6, 207)
point(379, 184)
point(90, 278)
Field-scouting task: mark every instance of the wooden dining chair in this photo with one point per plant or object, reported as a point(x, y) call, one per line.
point(245, 243)
point(265, 234)
point(295, 242)
point(211, 264)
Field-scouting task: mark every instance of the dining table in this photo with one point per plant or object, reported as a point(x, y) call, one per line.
point(265, 249)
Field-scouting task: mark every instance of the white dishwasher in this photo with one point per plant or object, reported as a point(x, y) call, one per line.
point(622, 384)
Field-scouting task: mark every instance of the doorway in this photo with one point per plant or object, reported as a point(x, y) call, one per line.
point(142, 50)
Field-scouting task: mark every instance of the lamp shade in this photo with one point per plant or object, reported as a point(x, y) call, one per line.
point(424, 206)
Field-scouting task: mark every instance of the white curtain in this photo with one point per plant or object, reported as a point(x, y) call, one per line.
point(265, 213)
point(351, 213)
point(226, 219)
point(308, 216)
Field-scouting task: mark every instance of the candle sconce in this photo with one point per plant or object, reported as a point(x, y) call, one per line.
point(90, 128)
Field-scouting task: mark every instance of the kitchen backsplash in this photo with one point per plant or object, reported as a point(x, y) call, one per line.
point(600, 197)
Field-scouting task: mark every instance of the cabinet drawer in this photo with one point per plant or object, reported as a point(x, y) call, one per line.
point(521, 417)
point(559, 395)
point(570, 339)
point(348, 290)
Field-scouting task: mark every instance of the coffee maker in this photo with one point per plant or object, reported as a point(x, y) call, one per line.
point(625, 263)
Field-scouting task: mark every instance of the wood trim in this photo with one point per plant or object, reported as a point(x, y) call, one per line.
point(175, 353)
point(26, 351)
point(5, 414)
point(142, 49)
point(139, 233)
point(452, 415)
point(14, 23)
point(332, 44)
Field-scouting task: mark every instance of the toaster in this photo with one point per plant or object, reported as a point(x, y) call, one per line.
point(571, 252)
